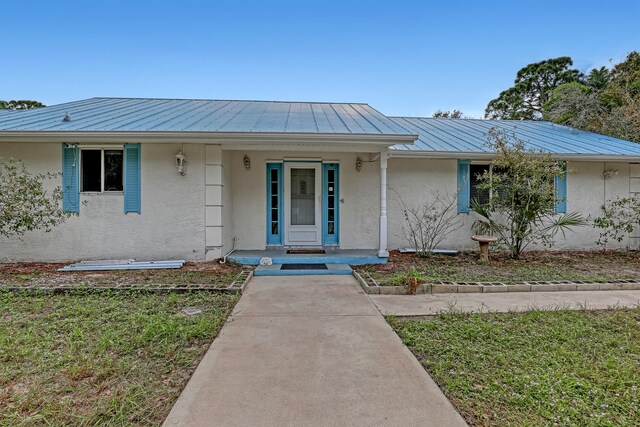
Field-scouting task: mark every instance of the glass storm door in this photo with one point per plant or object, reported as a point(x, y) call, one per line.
point(303, 202)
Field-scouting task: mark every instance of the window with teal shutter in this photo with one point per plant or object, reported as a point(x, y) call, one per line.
point(132, 178)
point(464, 186)
point(561, 190)
point(70, 178)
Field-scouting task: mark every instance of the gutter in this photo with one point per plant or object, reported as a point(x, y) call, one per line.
point(80, 136)
point(474, 155)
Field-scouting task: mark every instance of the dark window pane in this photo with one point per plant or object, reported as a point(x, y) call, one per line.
point(330, 174)
point(274, 188)
point(274, 214)
point(274, 202)
point(274, 175)
point(331, 216)
point(476, 194)
point(331, 228)
point(274, 228)
point(91, 170)
point(331, 202)
point(113, 170)
point(330, 189)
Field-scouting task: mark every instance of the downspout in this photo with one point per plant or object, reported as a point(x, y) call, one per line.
point(233, 248)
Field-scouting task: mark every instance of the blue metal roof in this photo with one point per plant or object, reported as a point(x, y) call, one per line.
point(470, 136)
point(201, 115)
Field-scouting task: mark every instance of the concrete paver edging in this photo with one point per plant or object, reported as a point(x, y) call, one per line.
point(370, 286)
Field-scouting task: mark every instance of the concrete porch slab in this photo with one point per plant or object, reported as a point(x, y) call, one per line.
point(337, 256)
point(275, 270)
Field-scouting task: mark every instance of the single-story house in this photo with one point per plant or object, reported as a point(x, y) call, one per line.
point(194, 179)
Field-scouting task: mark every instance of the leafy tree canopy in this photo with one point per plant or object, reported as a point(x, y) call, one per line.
point(21, 104)
point(25, 202)
point(453, 114)
point(532, 88)
point(607, 102)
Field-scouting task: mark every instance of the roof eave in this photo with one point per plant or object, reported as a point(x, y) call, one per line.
point(240, 138)
point(474, 155)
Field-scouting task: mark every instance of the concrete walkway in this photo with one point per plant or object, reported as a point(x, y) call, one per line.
point(309, 351)
point(425, 304)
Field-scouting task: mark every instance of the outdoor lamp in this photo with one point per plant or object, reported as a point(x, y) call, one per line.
point(358, 164)
point(247, 162)
point(180, 161)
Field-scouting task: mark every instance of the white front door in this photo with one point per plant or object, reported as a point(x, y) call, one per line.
point(302, 204)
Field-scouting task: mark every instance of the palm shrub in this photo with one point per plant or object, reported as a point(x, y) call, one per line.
point(521, 209)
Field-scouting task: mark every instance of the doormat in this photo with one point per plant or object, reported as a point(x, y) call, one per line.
point(303, 267)
point(306, 251)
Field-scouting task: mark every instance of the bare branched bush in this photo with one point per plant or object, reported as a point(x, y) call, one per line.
point(427, 225)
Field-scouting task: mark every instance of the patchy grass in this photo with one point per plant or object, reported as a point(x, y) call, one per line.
point(566, 368)
point(46, 274)
point(569, 265)
point(101, 358)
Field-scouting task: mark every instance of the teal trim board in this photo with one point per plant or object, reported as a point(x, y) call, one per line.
point(330, 204)
point(275, 203)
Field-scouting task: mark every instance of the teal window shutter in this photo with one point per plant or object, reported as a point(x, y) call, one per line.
point(464, 186)
point(70, 178)
point(131, 178)
point(561, 191)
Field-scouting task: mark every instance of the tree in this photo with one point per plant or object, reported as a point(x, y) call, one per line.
point(22, 104)
point(608, 102)
point(25, 204)
point(521, 209)
point(453, 114)
point(532, 88)
point(618, 218)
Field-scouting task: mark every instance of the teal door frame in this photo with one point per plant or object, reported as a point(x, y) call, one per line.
point(330, 204)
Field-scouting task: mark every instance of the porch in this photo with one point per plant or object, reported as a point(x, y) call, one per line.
point(271, 201)
point(331, 256)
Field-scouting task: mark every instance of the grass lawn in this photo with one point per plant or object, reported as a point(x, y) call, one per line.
point(569, 265)
point(566, 368)
point(46, 274)
point(101, 358)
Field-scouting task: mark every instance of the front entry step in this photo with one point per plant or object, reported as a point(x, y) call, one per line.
point(302, 269)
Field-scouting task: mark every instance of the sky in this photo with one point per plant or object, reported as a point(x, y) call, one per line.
point(401, 57)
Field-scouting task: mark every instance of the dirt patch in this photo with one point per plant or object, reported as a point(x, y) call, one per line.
point(46, 274)
point(533, 266)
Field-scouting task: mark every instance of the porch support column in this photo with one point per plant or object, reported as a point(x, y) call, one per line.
point(383, 252)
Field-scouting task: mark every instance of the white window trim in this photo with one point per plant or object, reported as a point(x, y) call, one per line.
point(102, 149)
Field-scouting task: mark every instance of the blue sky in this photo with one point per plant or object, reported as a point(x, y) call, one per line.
point(403, 58)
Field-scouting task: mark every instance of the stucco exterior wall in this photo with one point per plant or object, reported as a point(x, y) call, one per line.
point(198, 215)
point(171, 225)
point(359, 211)
point(414, 180)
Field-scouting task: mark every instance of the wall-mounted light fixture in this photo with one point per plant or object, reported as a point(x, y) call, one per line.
point(609, 173)
point(180, 163)
point(247, 162)
point(358, 164)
